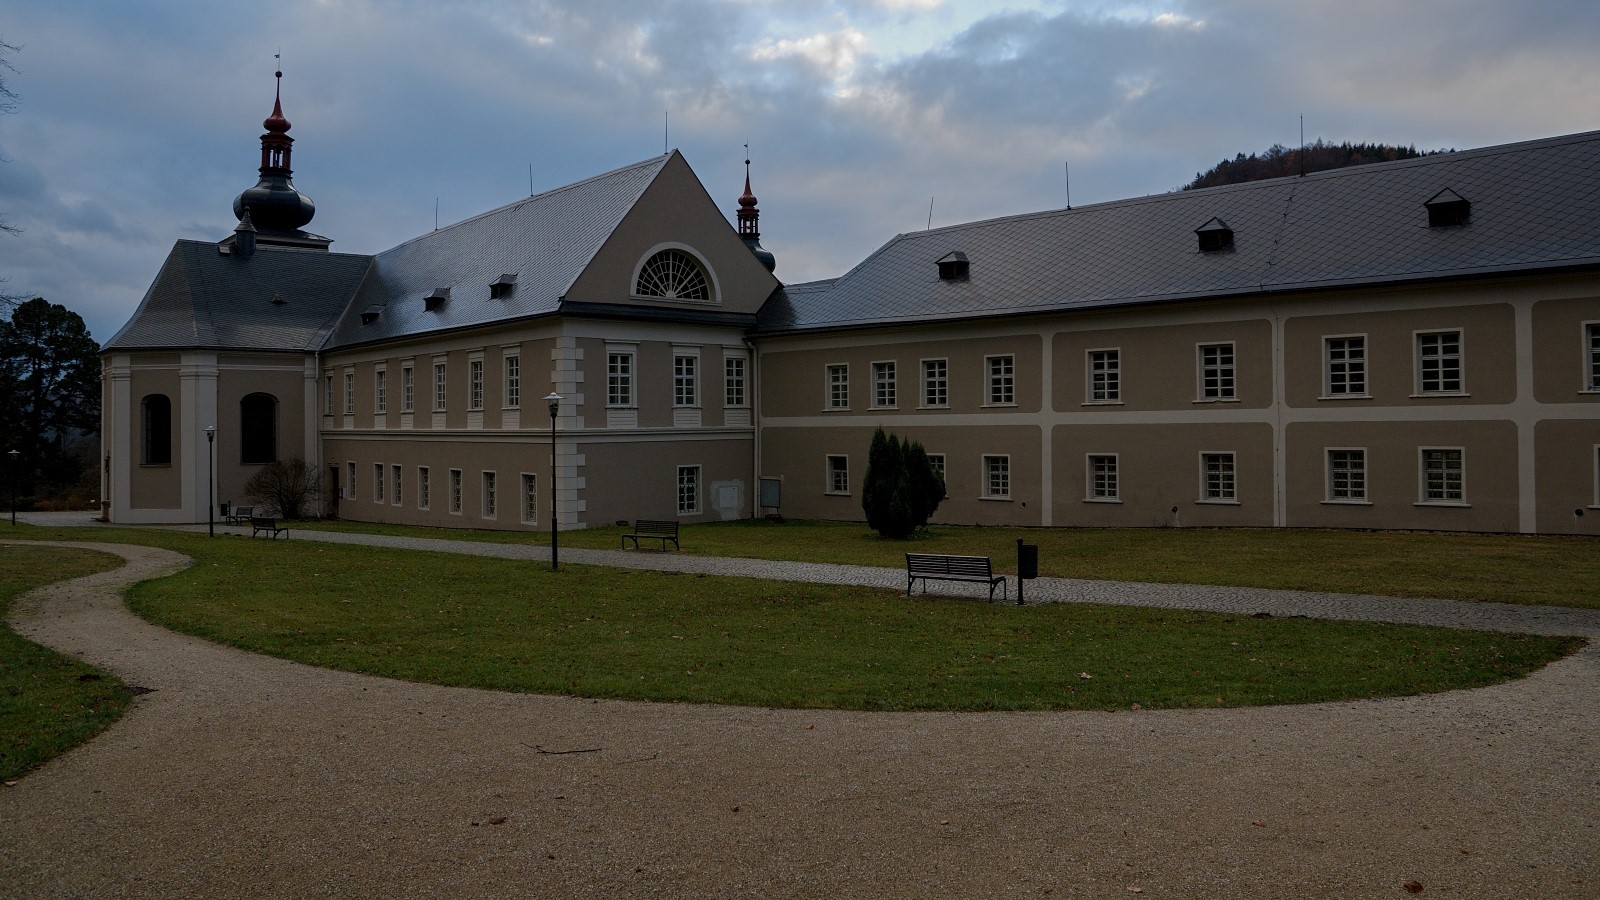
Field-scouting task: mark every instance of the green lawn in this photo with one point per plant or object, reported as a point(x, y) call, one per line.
point(49, 703)
point(1556, 571)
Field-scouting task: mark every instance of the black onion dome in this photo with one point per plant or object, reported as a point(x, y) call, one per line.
point(274, 203)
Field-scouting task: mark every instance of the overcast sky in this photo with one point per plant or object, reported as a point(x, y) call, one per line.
point(138, 122)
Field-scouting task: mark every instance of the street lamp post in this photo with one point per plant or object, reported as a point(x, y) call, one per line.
point(555, 407)
point(14, 454)
point(211, 478)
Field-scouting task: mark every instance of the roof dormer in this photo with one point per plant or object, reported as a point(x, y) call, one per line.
point(371, 314)
point(502, 286)
point(435, 300)
point(953, 266)
point(1448, 208)
point(1214, 235)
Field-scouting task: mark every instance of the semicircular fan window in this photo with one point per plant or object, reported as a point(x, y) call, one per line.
point(673, 275)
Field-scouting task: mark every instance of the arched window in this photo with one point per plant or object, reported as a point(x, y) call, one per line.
point(258, 429)
point(673, 275)
point(156, 411)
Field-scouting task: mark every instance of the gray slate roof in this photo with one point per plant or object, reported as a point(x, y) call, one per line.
point(204, 299)
point(1535, 205)
point(545, 240)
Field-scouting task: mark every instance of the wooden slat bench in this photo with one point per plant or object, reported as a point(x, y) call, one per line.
point(270, 525)
point(653, 530)
point(940, 567)
point(240, 515)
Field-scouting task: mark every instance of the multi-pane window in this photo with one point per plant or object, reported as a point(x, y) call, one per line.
point(395, 476)
point(350, 480)
point(349, 393)
point(619, 379)
point(883, 394)
point(475, 384)
point(1103, 476)
point(489, 498)
point(1216, 476)
point(1439, 362)
point(685, 380)
point(733, 381)
point(1591, 344)
point(327, 394)
point(1443, 477)
point(1105, 376)
point(408, 388)
point(838, 474)
point(1216, 372)
point(380, 383)
point(688, 490)
point(530, 499)
point(438, 386)
point(936, 462)
point(1346, 359)
point(935, 382)
point(377, 482)
point(455, 490)
point(1347, 475)
point(513, 367)
point(1002, 381)
point(422, 487)
point(997, 476)
point(839, 387)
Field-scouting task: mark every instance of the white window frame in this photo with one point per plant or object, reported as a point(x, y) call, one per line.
point(350, 480)
point(620, 366)
point(831, 473)
point(1225, 374)
point(689, 504)
point(1102, 490)
point(378, 495)
point(994, 464)
point(937, 462)
point(1344, 379)
point(349, 392)
point(936, 383)
point(1354, 495)
point(1424, 471)
point(475, 383)
point(424, 497)
point(885, 384)
point(1418, 339)
point(735, 381)
point(455, 492)
point(685, 378)
point(1590, 334)
point(836, 386)
point(408, 387)
point(441, 374)
point(380, 390)
point(327, 382)
point(1223, 489)
point(397, 486)
point(1000, 388)
point(511, 375)
point(530, 498)
point(489, 505)
point(1104, 381)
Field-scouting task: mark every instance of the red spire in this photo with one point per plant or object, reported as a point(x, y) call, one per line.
point(276, 123)
point(749, 216)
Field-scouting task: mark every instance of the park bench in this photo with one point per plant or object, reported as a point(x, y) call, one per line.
point(940, 567)
point(240, 515)
point(268, 524)
point(653, 530)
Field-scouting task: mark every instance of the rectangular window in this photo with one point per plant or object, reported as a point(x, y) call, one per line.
point(1439, 362)
point(455, 491)
point(1591, 344)
point(349, 393)
point(1105, 376)
point(936, 460)
point(1216, 372)
point(488, 495)
point(685, 381)
point(1346, 361)
point(883, 393)
point(438, 387)
point(422, 487)
point(997, 477)
point(408, 388)
point(839, 387)
point(395, 476)
point(1217, 477)
point(513, 381)
point(733, 381)
point(377, 482)
point(530, 499)
point(688, 490)
point(327, 395)
point(619, 379)
point(1102, 476)
point(1443, 476)
point(381, 390)
point(838, 474)
point(1002, 381)
point(1347, 476)
point(936, 382)
point(475, 384)
point(350, 481)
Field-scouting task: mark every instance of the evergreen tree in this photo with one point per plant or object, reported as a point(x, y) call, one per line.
point(901, 489)
point(49, 393)
point(927, 486)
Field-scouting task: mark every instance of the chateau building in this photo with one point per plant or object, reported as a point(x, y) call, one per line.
point(1403, 345)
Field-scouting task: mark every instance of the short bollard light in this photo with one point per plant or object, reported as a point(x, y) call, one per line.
point(1027, 565)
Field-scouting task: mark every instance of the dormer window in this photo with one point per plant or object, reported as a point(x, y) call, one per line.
point(953, 266)
point(1214, 235)
point(502, 286)
point(1448, 208)
point(370, 314)
point(438, 298)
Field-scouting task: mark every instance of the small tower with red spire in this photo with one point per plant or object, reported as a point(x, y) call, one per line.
point(274, 207)
point(750, 220)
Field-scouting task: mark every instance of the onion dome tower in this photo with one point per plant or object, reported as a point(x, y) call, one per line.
point(750, 222)
point(274, 207)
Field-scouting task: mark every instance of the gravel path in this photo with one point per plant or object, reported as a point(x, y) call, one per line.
point(243, 775)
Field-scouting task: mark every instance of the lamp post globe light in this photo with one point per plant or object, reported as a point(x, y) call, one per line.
point(211, 478)
point(555, 408)
point(14, 454)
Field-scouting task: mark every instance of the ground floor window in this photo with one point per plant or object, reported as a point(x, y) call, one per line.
point(455, 491)
point(997, 477)
point(395, 476)
point(157, 430)
point(1347, 476)
point(1102, 476)
point(349, 481)
point(488, 495)
point(688, 490)
point(838, 474)
point(377, 482)
point(1443, 475)
point(1217, 477)
point(422, 487)
point(530, 499)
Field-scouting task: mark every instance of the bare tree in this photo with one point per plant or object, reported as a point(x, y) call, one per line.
point(292, 488)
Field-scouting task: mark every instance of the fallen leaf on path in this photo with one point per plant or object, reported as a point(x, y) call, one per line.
point(1413, 887)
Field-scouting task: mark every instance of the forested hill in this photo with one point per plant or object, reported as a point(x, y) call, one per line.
point(1279, 160)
